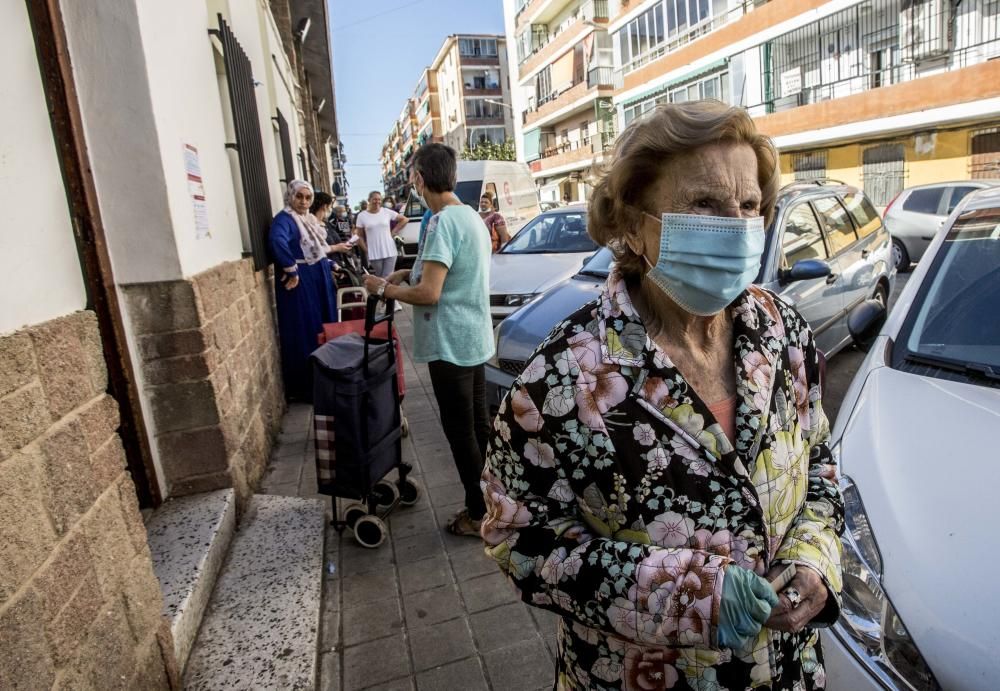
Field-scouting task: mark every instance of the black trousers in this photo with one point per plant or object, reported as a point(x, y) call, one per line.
point(461, 397)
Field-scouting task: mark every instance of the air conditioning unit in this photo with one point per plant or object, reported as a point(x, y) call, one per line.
point(923, 29)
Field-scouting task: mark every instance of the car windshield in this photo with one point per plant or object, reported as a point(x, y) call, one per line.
point(552, 233)
point(599, 264)
point(469, 191)
point(951, 326)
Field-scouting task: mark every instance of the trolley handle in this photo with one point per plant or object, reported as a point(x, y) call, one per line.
point(371, 314)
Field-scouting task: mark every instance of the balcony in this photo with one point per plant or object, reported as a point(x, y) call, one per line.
point(681, 38)
point(600, 76)
point(582, 151)
point(556, 101)
point(484, 122)
point(548, 43)
point(485, 91)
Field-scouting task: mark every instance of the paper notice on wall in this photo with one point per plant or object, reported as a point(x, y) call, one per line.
point(791, 81)
point(196, 188)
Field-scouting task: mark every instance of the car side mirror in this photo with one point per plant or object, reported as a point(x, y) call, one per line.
point(805, 269)
point(865, 323)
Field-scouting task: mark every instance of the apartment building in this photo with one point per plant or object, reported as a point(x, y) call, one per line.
point(564, 66)
point(461, 99)
point(883, 94)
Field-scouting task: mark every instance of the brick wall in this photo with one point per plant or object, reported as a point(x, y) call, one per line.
point(79, 604)
point(209, 357)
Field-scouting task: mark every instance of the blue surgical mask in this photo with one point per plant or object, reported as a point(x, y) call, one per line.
point(706, 262)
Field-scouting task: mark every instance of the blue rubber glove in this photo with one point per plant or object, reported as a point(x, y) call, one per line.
point(747, 600)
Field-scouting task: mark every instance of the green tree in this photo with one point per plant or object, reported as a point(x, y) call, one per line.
point(489, 151)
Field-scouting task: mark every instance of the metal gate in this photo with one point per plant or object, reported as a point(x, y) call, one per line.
point(248, 144)
point(883, 172)
point(809, 166)
point(985, 155)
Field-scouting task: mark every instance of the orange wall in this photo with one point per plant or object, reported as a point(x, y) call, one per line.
point(962, 86)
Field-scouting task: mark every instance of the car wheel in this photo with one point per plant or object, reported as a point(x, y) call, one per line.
point(900, 257)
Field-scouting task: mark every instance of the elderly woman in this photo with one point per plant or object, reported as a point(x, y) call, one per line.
point(304, 290)
point(663, 455)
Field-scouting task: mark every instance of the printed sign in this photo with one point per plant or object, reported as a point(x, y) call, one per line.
point(192, 167)
point(508, 197)
point(791, 81)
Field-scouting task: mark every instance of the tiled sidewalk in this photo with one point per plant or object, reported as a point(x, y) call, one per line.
point(426, 610)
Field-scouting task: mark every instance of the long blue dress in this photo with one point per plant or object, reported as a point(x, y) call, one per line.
point(301, 311)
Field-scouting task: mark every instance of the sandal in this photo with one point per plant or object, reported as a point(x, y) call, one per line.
point(462, 524)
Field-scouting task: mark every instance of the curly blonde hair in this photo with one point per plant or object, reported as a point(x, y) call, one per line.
point(640, 155)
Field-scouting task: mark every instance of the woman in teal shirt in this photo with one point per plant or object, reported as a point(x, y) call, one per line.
point(449, 289)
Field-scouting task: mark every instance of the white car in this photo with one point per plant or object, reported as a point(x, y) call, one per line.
point(548, 250)
point(916, 443)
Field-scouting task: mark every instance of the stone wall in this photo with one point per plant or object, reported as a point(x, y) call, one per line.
point(212, 373)
point(79, 604)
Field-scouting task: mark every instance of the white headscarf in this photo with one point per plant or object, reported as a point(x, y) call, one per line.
point(312, 235)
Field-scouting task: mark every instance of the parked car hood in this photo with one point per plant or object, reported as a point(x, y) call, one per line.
point(512, 274)
point(919, 451)
point(521, 332)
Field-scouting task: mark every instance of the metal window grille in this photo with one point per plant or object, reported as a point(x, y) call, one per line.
point(809, 166)
point(287, 157)
point(883, 172)
point(985, 154)
point(873, 44)
point(248, 144)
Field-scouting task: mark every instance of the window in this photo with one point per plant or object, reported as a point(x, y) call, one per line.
point(481, 108)
point(564, 232)
point(839, 229)
point(925, 201)
point(543, 85)
point(957, 195)
point(477, 47)
point(802, 238)
point(666, 20)
point(864, 214)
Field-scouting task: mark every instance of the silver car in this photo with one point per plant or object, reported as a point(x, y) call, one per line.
point(549, 249)
point(915, 215)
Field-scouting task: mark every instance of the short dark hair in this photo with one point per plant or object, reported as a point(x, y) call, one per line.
point(320, 199)
point(437, 165)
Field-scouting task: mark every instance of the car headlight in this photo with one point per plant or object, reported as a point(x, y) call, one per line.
point(519, 300)
point(868, 618)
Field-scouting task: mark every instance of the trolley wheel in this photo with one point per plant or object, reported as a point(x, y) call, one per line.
point(405, 427)
point(385, 493)
point(353, 513)
point(409, 492)
point(370, 531)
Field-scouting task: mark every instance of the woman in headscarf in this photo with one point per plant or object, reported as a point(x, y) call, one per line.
point(304, 289)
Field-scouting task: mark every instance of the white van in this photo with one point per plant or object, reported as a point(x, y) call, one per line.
point(508, 182)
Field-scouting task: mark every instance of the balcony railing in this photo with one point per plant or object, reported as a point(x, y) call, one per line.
point(600, 76)
point(880, 45)
point(568, 152)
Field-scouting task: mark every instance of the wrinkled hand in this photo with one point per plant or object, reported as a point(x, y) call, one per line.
point(813, 591)
point(291, 281)
point(372, 284)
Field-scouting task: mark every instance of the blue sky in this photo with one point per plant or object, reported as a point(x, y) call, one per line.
point(380, 48)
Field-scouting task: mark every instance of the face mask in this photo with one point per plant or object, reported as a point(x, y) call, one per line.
point(388, 205)
point(342, 215)
point(484, 209)
point(706, 262)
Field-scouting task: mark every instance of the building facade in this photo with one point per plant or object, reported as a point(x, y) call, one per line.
point(138, 347)
point(564, 72)
point(462, 99)
point(883, 94)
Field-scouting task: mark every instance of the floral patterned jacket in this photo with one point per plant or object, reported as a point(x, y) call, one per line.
point(615, 499)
